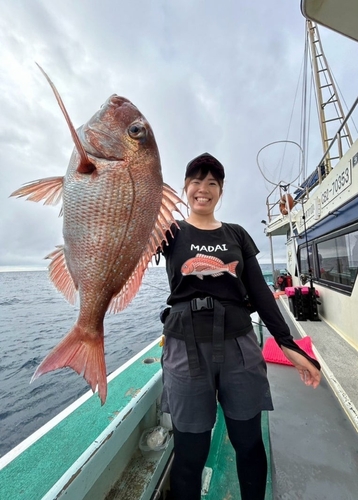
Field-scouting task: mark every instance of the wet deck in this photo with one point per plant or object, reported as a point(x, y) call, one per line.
point(314, 439)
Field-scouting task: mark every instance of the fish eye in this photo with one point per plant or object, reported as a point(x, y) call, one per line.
point(137, 130)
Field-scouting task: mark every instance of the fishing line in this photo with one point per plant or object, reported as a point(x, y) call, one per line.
point(157, 287)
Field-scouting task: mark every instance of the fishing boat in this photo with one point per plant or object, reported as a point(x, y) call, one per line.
point(91, 452)
point(319, 217)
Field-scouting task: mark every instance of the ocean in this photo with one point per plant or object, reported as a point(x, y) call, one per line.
point(34, 318)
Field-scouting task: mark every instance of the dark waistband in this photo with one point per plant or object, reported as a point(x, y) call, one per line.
point(199, 304)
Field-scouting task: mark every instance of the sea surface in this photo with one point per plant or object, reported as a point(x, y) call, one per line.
point(34, 317)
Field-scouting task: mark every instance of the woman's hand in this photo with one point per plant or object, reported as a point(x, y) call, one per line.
point(309, 374)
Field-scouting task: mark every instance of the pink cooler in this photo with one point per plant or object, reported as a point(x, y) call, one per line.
point(305, 291)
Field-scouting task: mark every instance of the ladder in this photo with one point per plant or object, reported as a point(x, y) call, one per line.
point(330, 110)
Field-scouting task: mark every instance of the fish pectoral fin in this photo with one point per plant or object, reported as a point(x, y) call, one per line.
point(49, 190)
point(60, 275)
point(83, 353)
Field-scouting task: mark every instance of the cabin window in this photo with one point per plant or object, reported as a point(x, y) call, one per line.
point(331, 260)
point(338, 257)
point(309, 261)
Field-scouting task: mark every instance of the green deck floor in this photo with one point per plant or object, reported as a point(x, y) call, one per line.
point(224, 483)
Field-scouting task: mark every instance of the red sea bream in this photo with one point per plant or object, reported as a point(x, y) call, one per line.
point(116, 211)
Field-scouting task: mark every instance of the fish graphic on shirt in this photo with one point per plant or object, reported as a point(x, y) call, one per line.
point(207, 265)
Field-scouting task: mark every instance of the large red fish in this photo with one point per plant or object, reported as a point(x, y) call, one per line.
point(116, 212)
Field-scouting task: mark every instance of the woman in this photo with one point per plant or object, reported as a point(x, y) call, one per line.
point(211, 352)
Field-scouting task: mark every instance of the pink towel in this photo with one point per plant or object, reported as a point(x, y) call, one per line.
point(273, 354)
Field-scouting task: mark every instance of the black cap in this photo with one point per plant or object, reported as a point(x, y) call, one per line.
point(208, 161)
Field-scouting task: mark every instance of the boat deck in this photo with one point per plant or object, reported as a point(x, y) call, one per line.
point(339, 359)
point(313, 436)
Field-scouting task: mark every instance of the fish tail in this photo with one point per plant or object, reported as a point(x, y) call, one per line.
point(84, 354)
point(232, 268)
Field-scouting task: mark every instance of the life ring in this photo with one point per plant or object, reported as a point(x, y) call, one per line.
point(286, 204)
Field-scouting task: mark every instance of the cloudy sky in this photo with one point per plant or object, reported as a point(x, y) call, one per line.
point(208, 75)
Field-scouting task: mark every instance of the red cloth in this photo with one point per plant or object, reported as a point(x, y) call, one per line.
point(273, 354)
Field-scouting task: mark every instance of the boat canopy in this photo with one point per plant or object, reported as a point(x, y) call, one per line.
point(339, 16)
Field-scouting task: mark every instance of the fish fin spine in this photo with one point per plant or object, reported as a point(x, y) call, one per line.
point(84, 354)
point(85, 166)
point(210, 258)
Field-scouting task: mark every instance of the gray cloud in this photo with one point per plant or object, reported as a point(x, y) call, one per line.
point(209, 76)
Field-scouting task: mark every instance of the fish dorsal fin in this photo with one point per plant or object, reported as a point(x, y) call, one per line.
point(85, 166)
point(60, 275)
point(49, 189)
point(209, 257)
point(158, 237)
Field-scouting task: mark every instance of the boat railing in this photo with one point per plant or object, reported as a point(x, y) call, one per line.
point(273, 206)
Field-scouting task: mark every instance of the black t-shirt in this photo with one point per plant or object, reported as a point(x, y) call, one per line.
point(203, 263)
point(207, 262)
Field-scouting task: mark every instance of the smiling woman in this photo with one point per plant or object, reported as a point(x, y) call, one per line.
point(211, 351)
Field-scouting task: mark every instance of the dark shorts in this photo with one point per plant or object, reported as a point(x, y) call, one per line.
point(239, 383)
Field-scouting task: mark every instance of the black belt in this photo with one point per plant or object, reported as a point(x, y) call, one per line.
point(194, 306)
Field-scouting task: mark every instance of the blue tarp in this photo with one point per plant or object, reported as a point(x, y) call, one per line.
point(310, 182)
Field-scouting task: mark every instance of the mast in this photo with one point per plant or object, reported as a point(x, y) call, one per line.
point(330, 110)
